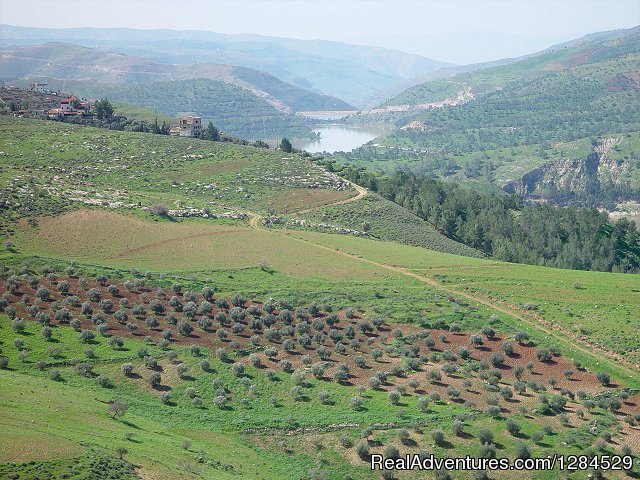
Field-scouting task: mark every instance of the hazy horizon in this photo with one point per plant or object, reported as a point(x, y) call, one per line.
point(458, 32)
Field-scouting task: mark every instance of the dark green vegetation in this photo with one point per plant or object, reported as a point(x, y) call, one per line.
point(232, 109)
point(379, 218)
point(505, 228)
point(561, 126)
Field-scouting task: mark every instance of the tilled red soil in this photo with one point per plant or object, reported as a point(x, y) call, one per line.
point(381, 339)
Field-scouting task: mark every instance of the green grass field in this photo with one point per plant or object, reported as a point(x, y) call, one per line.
point(61, 428)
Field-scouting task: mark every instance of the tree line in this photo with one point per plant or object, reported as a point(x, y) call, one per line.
point(507, 228)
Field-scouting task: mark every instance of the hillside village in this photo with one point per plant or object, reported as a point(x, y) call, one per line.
point(38, 101)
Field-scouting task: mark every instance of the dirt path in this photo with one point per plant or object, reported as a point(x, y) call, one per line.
point(555, 331)
point(361, 193)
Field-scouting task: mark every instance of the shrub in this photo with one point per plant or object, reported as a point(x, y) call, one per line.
point(237, 369)
point(83, 368)
point(317, 370)
point(361, 361)
point(103, 381)
point(152, 323)
point(497, 359)
point(493, 411)
point(423, 404)
point(543, 355)
point(127, 369)
point(4, 363)
point(285, 365)
point(476, 341)
point(43, 293)
point(182, 369)
point(17, 325)
point(184, 328)
point(121, 316)
point(323, 352)
point(288, 345)
point(453, 392)
point(603, 378)
point(485, 437)
point(220, 401)
point(362, 449)
point(296, 392)
point(340, 376)
point(450, 368)
point(154, 379)
point(523, 451)
point(237, 300)
point(438, 437)
point(391, 451)
point(393, 397)
point(513, 427)
point(434, 376)
point(87, 336)
point(537, 437)
point(457, 427)
point(355, 403)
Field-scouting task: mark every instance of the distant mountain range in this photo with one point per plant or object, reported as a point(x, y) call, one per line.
point(351, 72)
point(64, 65)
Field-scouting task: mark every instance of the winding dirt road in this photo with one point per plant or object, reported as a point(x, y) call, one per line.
point(361, 193)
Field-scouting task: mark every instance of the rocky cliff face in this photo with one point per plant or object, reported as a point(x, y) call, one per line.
point(560, 180)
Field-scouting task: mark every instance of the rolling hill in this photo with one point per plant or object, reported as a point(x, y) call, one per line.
point(561, 125)
point(350, 72)
point(64, 65)
point(155, 324)
point(232, 109)
point(485, 78)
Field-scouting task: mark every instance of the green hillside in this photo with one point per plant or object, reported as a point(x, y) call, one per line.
point(142, 114)
point(567, 134)
point(589, 49)
point(155, 324)
point(232, 109)
point(183, 173)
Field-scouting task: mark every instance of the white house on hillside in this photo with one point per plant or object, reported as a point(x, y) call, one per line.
point(190, 126)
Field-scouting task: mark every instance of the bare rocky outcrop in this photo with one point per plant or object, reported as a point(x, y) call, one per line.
point(571, 176)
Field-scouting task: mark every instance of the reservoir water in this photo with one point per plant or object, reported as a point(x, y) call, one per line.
point(339, 138)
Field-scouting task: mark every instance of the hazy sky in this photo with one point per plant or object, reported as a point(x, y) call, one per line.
point(460, 31)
